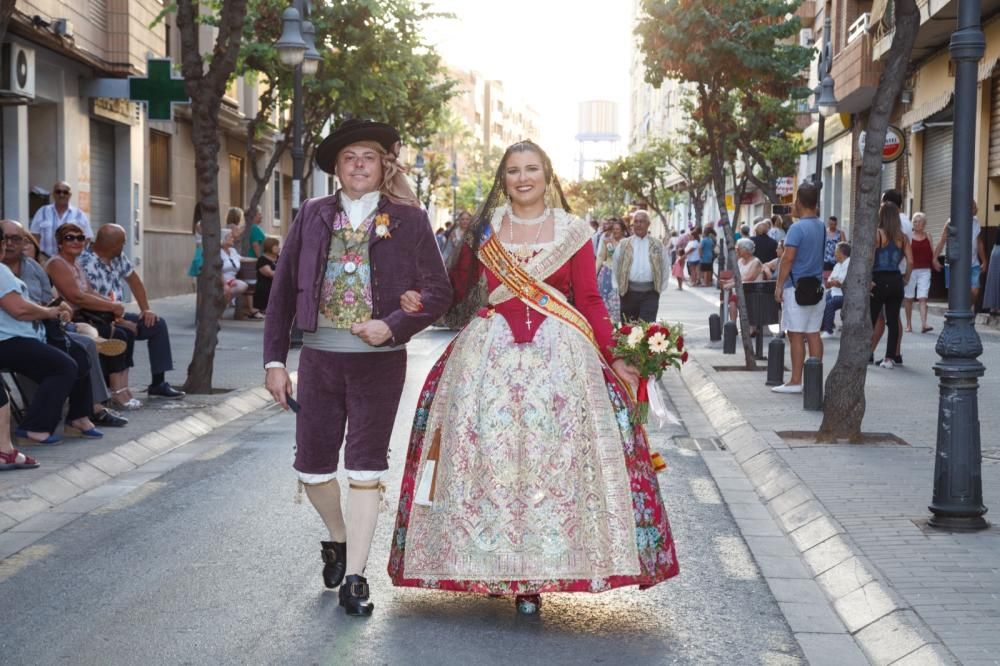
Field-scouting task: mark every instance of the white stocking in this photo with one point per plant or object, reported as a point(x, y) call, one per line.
point(362, 513)
point(325, 497)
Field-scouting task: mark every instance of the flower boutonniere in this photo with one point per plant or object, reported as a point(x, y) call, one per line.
point(382, 225)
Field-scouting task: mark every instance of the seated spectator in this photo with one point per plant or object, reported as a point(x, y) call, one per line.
point(765, 248)
point(234, 288)
point(107, 269)
point(23, 350)
point(90, 307)
point(31, 250)
point(835, 288)
point(10, 458)
point(74, 343)
point(751, 270)
point(257, 235)
point(266, 265)
point(771, 267)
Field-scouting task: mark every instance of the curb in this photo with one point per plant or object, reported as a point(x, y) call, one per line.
point(52, 490)
point(882, 624)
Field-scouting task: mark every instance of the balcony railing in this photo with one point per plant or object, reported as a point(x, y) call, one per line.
point(859, 28)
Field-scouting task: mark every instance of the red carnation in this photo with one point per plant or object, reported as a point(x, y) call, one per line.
point(625, 330)
point(680, 343)
point(684, 357)
point(652, 330)
point(666, 331)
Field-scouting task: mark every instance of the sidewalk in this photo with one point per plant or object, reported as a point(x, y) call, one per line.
point(857, 512)
point(78, 465)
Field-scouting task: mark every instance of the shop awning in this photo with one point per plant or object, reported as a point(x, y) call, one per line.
point(926, 110)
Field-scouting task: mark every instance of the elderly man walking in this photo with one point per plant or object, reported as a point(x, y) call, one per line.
point(800, 284)
point(51, 216)
point(346, 263)
point(640, 270)
point(107, 268)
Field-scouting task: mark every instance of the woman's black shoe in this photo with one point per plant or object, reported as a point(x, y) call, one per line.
point(334, 562)
point(108, 418)
point(354, 596)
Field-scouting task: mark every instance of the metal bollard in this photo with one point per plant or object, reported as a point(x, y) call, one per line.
point(775, 362)
point(812, 385)
point(729, 337)
point(714, 328)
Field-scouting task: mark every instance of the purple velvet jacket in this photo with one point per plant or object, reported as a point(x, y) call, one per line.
point(410, 259)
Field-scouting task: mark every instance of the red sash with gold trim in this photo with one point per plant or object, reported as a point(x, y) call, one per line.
point(534, 293)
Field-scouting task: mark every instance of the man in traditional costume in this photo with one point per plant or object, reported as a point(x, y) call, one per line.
point(524, 474)
point(347, 260)
point(639, 269)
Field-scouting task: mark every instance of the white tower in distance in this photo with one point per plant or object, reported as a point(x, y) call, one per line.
point(597, 135)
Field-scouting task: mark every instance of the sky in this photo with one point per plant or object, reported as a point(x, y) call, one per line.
point(552, 54)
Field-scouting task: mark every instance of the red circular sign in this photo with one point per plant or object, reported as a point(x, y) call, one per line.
point(895, 144)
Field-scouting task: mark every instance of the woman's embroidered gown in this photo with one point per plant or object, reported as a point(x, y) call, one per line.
point(542, 484)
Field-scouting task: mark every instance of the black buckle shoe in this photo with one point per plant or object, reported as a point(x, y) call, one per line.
point(354, 596)
point(334, 555)
point(165, 390)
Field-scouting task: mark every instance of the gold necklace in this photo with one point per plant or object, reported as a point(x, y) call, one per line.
point(524, 252)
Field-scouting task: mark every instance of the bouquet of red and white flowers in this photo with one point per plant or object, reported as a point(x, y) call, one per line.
point(650, 349)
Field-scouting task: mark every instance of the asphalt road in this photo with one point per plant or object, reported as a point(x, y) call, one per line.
point(214, 562)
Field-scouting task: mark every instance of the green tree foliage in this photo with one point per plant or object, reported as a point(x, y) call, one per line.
point(731, 52)
point(375, 64)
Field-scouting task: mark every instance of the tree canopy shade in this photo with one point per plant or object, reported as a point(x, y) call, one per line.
point(734, 53)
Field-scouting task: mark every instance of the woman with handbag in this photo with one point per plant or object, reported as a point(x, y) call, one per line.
point(91, 308)
point(24, 350)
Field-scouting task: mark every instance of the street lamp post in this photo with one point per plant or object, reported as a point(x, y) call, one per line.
point(958, 484)
point(297, 48)
point(826, 101)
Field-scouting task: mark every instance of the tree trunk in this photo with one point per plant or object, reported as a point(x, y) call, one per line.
point(206, 89)
point(844, 408)
point(719, 178)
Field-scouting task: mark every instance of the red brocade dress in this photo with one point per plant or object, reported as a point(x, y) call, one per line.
point(540, 483)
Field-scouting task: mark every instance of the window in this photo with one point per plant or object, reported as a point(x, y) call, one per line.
point(276, 197)
point(159, 165)
point(236, 181)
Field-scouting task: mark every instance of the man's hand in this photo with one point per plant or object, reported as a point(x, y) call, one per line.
point(410, 302)
point(627, 372)
point(118, 310)
point(148, 318)
point(66, 311)
point(279, 385)
point(778, 294)
point(374, 332)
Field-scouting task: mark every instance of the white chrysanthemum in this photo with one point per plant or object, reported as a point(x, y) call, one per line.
point(658, 343)
point(635, 337)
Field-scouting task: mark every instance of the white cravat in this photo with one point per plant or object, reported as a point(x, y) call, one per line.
point(358, 211)
point(641, 270)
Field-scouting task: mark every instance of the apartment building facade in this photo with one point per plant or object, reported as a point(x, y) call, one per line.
point(123, 168)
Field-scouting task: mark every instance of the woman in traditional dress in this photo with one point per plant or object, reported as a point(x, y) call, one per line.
point(606, 274)
point(524, 474)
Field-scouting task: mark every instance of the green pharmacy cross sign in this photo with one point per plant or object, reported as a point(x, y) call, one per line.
point(159, 90)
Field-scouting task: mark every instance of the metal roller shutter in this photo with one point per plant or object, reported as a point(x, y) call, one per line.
point(889, 173)
point(995, 129)
point(935, 193)
point(102, 174)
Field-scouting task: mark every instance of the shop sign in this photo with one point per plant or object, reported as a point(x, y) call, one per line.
point(110, 108)
point(784, 186)
point(895, 144)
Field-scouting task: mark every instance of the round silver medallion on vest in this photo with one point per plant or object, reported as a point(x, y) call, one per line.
point(350, 267)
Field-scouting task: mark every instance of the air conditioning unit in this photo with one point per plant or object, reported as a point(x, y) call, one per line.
point(17, 72)
point(806, 38)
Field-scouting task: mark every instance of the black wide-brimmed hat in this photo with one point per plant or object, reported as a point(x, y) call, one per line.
point(352, 131)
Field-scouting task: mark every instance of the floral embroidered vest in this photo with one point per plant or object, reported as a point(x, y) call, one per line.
point(346, 297)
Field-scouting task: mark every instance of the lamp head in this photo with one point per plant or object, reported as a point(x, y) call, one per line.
point(312, 58)
point(291, 46)
point(827, 101)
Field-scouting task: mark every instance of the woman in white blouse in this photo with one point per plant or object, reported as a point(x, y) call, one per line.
point(232, 286)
